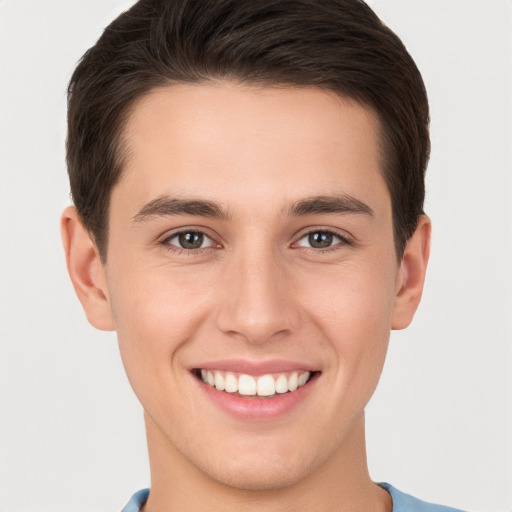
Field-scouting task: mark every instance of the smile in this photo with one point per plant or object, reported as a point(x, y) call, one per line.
point(247, 385)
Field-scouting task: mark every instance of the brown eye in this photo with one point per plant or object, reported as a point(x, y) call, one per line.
point(319, 240)
point(190, 240)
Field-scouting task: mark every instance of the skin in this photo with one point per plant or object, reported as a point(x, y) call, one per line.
point(255, 290)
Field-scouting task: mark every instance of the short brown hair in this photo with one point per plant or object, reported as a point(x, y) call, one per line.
point(340, 45)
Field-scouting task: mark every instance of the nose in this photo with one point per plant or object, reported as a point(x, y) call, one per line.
point(257, 303)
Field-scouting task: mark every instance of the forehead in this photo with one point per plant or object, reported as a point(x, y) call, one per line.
point(246, 144)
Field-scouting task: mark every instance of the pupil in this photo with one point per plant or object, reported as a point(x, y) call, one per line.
point(191, 240)
point(320, 240)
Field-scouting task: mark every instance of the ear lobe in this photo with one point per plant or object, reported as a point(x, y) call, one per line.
point(411, 275)
point(86, 270)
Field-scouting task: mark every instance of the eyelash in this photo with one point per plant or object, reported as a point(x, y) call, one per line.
point(166, 242)
point(344, 241)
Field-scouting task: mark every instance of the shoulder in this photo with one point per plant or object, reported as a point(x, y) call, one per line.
point(136, 501)
point(405, 503)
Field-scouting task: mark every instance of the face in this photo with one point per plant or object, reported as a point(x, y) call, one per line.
point(251, 276)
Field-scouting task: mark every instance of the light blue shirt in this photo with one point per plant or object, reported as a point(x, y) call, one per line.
point(405, 503)
point(401, 502)
point(136, 501)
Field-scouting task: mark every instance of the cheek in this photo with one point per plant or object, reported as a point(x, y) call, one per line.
point(353, 297)
point(154, 316)
point(156, 302)
point(353, 307)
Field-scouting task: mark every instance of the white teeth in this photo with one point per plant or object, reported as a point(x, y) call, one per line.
point(246, 385)
point(266, 385)
point(303, 378)
point(282, 384)
point(219, 381)
point(231, 383)
point(293, 381)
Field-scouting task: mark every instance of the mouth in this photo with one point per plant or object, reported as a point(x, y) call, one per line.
point(250, 386)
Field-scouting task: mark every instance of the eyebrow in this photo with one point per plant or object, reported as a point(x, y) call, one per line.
point(166, 206)
point(338, 204)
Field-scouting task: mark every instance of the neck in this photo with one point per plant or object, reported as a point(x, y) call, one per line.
point(341, 483)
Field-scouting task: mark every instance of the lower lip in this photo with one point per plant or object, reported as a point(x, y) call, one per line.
point(258, 408)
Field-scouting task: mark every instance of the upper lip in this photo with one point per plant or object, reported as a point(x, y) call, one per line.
point(254, 367)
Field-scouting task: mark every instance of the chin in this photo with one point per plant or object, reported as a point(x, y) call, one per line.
point(258, 479)
point(263, 469)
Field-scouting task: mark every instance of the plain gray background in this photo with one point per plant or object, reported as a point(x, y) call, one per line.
point(440, 424)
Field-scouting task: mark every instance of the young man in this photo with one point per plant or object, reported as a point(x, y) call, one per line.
point(248, 180)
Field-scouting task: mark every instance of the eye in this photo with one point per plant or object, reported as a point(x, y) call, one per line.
point(320, 240)
point(190, 240)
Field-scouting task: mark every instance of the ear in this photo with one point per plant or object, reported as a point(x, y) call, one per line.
point(86, 270)
point(411, 275)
